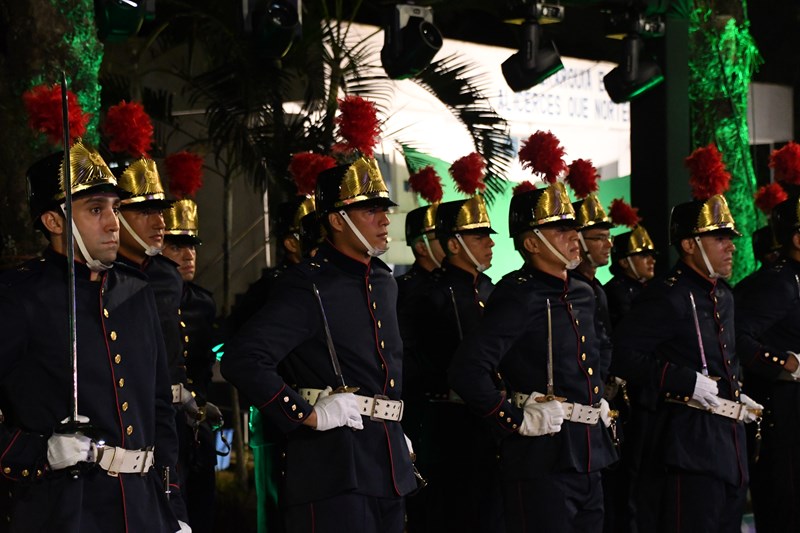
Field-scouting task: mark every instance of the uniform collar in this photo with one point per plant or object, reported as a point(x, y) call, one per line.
point(684, 270)
point(60, 260)
point(329, 253)
point(459, 274)
point(548, 279)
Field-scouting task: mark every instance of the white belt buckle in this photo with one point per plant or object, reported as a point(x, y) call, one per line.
point(375, 406)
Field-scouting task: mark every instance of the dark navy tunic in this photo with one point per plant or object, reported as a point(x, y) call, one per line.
point(123, 387)
point(360, 303)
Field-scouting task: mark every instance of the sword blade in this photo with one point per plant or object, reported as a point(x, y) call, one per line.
point(458, 317)
point(699, 335)
point(550, 382)
point(71, 307)
point(337, 369)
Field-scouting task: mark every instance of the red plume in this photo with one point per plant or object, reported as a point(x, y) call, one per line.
point(185, 171)
point(768, 196)
point(43, 104)
point(305, 167)
point(523, 187)
point(543, 154)
point(624, 214)
point(786, 162)
point(582, 177)
point(358, 124)
point(427, 183)
point(468, 173)
point(129, 129)
point(708, 174)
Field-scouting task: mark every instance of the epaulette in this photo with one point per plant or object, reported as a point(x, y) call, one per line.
point(669, 281)
point(411, 274)
point(312, 267)
point(21, 272)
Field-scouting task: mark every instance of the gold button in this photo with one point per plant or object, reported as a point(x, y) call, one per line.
point(183, 324)
point(736, 393)
point(382, 344)
point(369, 286)
point(294, 407)
point(6, 470)
point(186, 353)
point(685, 398)
point(285, 399)
point(379, 324)
point(25, 473)
point(508, 419)
point(124, 406)
point(577, 322)
point(374, 305)
point(300, 414)
point(129, 430)
point(775, 359)
point(391, 382)
point(121, 382)
point(668, 395)
point(38, 473)
point(502, 413)
point(513, 426)
point(113, 335)
point(186, 338)
point(583, 338)
point(481, 303)
point(118, 358)
point(383, 367)
point(179, 312)
point(105, 313)
point(596, 389)
point(590, 371)
point(583, 357)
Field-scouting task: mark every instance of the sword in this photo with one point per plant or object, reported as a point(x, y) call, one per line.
point(455, 311)
point(337, 368)
point(71, 306)
point(551, 393)
point(699, 336)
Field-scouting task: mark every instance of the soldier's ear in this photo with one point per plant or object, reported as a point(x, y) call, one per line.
point(53, 222)
point(453, 246)
point(291, 244)
point(796, 240)
point(336, 221)
point(531, 244)
point(688, 246)
point(419, 248)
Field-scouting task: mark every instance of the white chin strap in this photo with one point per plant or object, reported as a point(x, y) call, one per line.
point(148, 250)
point(430, 251)
point(480, 267)
point(372, 252)
point(633, 269)
point(586, 250)
point(570, 265)
point(713, 274)
point(95, 265)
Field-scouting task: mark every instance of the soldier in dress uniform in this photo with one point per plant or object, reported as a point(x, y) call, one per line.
point(347, 464)
point(450, 436)
point(539, 329)
point(104, 476)
point(198, 328)
point(633, 260)
point(768, 341)
point(678, 346)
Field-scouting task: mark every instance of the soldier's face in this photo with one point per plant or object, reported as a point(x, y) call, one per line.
point(480, 244)
point(719, 249)
point(183, 254)
point(96, 219)
point(565, 240)
point(643, 263)
point(598, 242)
point(373, 223)
point(148, 223)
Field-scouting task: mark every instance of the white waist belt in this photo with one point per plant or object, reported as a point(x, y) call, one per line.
point(177, 393)
point(376, 407)
point(727, 408)
point(118, 461)
point(574, 412)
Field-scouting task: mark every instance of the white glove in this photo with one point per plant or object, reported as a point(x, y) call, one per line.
point(68, 449)
point(796, 373)
point(541, 418)
point(212, 415)
point(189, 404)
point(184, 527)
point(337, 410)
point(751, 405)
point(706, 391)
point(605, 412)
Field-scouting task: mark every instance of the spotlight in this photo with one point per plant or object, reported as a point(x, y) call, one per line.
point(118, 19)
point(633, 76)
point(533, 63)
point(274, 24)
point(410, 41)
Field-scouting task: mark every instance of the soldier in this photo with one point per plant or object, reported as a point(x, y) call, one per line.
point(347, 462)
point(104, 476)
point(768, 341)
point(539, 329)
point(450, 435)
point(198, 313)
point(678, 346)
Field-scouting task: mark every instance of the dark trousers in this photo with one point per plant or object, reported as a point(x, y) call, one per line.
point(775, 488)
point(556, 503)
point(200, 489)
point(697, 503)
point(353, 513)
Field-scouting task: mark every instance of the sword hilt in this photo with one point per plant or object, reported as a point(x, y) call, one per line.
point(549, 398)
point(344, 389)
